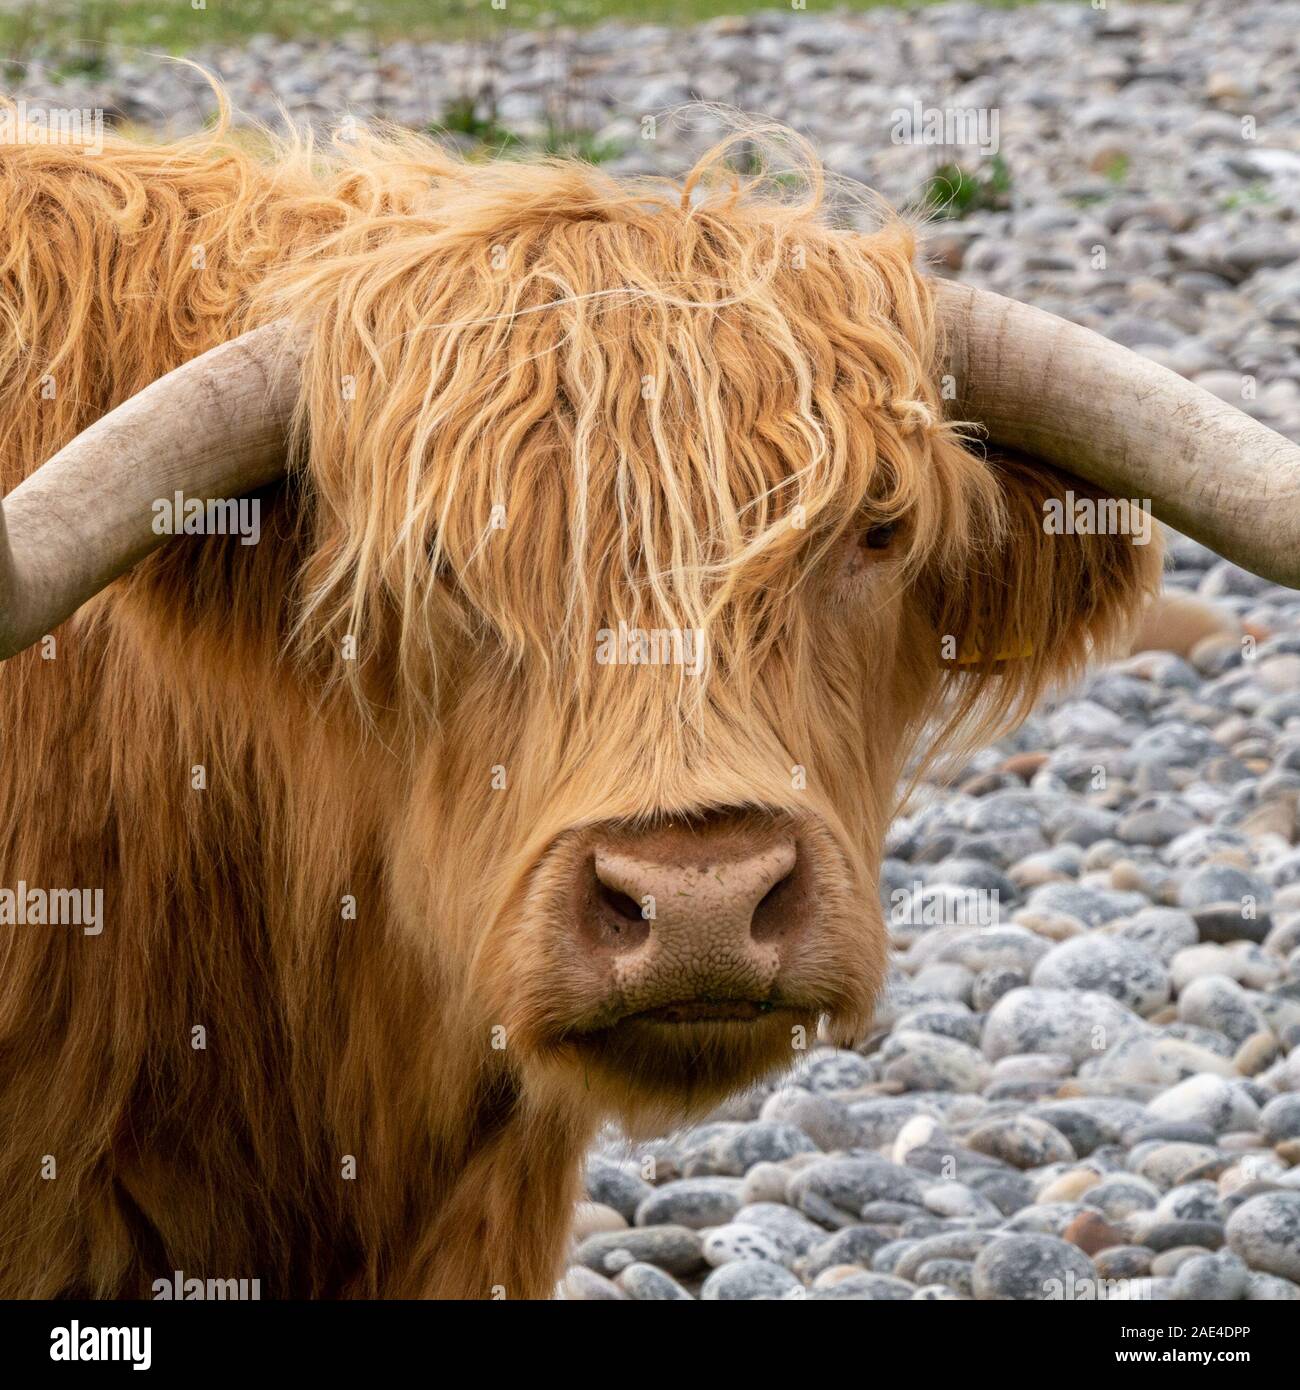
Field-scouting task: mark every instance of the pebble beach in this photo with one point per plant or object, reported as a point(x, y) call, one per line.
point(1088, 1087)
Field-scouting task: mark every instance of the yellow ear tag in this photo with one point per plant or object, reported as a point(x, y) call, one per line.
point(976, 658)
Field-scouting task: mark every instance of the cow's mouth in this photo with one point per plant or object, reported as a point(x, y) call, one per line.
point(707, 1011)
point(693, 1010)
point(688, 1051)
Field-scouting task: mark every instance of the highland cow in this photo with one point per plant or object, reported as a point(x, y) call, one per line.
point(404, 890)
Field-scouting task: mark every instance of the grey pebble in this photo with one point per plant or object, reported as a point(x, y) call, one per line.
point(673, 1248)
point(748, 1281)
point(1265, 1232)
point(875, 1288)
point(836, 1190)
point(616, 1185)
point(1033, 1268)
point(1280, 1119)
point(693, 1202)
point(1220, 1277)
point(1123, 969)
point(1024, 1141)
point(646, 1284)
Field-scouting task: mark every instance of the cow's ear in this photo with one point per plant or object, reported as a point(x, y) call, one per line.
point(1065, 581)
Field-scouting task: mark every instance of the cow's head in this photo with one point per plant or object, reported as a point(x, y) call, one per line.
point(660, 550)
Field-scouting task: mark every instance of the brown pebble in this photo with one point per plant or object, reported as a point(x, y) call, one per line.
point(1167, 1261)
point(1128, 877)
point(1260, 1050)
point(1024, 765)
point(1177, 622)
point(594, 1218)
point(1288, 1151)
point(1242, 1141)
point(1274, 817)
point(1055, 926)
point(1092, 1233)
point(982, 784)
point(1070, 1186)
point(1124, 1262)
point(837, 1274)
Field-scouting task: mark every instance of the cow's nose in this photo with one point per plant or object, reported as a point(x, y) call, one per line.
point(690, 911)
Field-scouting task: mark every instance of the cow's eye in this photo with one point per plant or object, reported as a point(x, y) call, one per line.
point(879, 537)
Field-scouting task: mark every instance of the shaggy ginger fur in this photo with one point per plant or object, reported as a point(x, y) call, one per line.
point(537, 401)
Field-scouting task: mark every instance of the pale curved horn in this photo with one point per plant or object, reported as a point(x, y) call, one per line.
point(1062, 393)
point(214, 428)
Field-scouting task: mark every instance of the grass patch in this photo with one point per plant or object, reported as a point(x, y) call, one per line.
point(41, 27)
point(954, 191)
point(488, 138)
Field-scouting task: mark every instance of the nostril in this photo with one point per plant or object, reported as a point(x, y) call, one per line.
point(619, 904)
point(775, 911)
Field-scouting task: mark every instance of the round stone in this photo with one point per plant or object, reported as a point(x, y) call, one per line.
point(1265, 1232)
point(825, 1120)
point(1208, 1100)
point(789, 1228)
point(854, 1245)
point(1280, 1119)
point(746, 1281)
point(693, 1202)
point(735, 1152)
point(1171, 1235)
point(1164, 931)
point(835, 1190)
point(590, 1218)
point(958, 1275)
point(991, 985)
point(946, 1245)
point(1268, 1288)
point(928, 1062)
point(1218, 1003)
point(1221, 883)
point(1123, 1262)
point(1168, 1164)
point(1122, 969)
point(957, 1201)
point(1024, 1141)
point(742, 1242)
point(1092, 906)
point(582, 1285)
point(1216, 1277)
point(1121, 1194)
point(1056, 1020)
point(615, 1185)
point(673, 1248)
point(646, 1284)
point(867, 1288)
point(1031, 1268)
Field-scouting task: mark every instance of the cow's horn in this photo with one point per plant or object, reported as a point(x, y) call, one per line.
point(1064, 394)
point(214, 428)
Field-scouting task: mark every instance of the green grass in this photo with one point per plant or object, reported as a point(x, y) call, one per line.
point(463, 117)
point(83, 28)
point(953, 191)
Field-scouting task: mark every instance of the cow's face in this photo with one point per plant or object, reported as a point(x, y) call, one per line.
point(659, 555)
